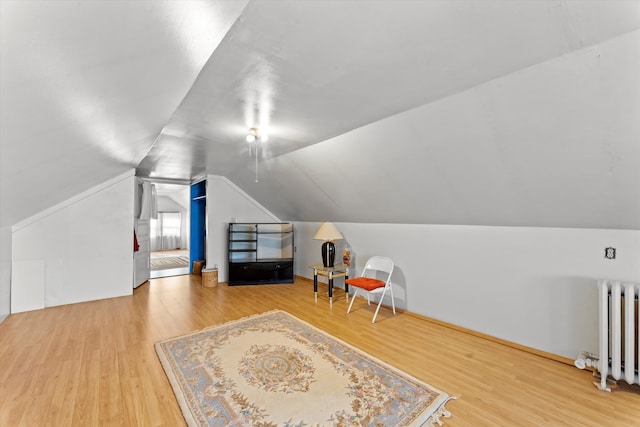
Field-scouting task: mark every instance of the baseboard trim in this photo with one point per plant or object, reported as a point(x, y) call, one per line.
point(491, 338)
point(487, 337)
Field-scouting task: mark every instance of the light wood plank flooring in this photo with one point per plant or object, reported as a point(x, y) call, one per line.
point(94, 363)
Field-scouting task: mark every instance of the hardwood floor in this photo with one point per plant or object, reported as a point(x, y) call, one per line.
point(94, 363)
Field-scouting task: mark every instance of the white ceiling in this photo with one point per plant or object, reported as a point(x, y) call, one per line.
point(519, 113)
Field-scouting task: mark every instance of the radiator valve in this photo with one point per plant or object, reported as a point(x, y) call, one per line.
point(586, 359)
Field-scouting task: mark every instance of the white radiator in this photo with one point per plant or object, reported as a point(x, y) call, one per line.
point(618, 324)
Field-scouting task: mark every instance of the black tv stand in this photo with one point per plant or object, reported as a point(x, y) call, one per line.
point(260, 253)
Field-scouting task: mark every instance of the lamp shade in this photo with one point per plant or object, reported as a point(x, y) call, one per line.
point(328, 232)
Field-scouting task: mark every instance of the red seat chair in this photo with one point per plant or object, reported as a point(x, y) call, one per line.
point(375, 280)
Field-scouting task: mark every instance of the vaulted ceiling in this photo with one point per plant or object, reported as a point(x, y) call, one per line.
point(518, 113)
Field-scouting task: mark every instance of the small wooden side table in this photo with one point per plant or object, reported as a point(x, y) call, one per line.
point(338, 270)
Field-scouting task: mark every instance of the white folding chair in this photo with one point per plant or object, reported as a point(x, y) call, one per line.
point(375, 280)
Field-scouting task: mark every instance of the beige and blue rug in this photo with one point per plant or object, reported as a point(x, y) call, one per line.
point(274, 369)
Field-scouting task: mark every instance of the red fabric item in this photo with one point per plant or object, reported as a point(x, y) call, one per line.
point(366, 283)
point(136, 246)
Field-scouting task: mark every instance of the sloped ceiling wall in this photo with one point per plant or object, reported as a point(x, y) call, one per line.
point(490, 113)
point(554, 145)
point(87, 86)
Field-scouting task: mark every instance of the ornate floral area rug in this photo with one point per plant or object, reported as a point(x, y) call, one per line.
point(274, 369)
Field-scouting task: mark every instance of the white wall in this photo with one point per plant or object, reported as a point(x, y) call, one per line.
point(227, 203)
point(531, 286)
point(5, 272)
point(85, 245)
point(167, 204)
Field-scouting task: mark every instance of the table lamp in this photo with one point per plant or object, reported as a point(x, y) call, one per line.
point(328, 232)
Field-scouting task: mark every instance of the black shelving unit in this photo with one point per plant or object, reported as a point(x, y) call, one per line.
point(260, 253)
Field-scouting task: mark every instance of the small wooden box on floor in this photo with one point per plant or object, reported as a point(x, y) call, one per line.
point(210, 277)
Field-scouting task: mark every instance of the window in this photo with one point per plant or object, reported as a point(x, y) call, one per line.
point(171, 224)
point(166, 231)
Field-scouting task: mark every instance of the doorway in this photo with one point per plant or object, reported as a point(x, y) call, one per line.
point(169, 232)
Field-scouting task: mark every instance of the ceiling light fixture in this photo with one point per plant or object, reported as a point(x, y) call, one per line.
point(254, 137)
